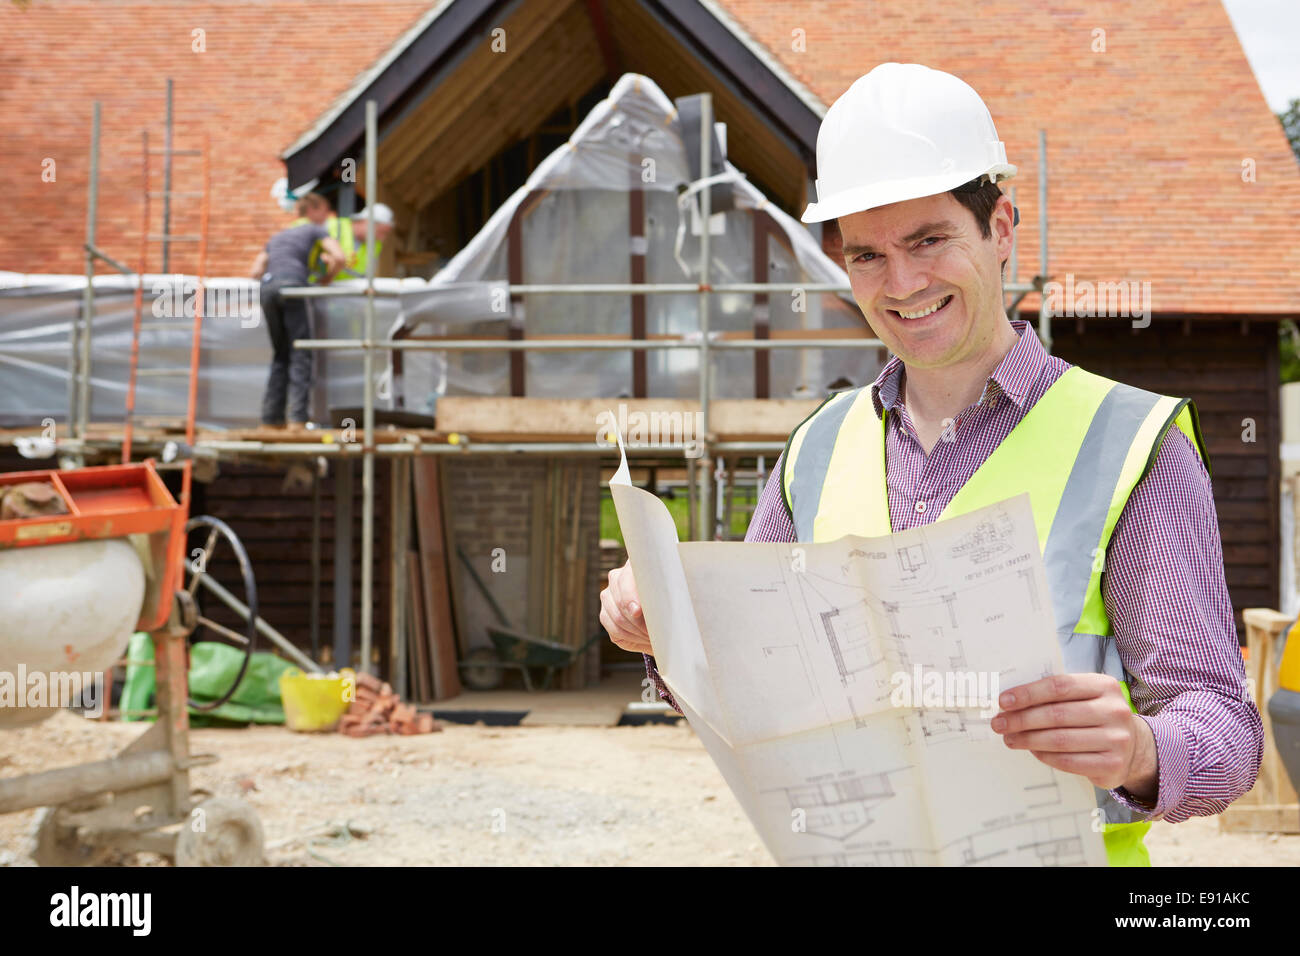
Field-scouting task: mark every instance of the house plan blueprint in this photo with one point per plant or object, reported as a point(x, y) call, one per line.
point(787, 660)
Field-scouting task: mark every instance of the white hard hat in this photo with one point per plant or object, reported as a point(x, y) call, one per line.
point(383, 215)
point(286, 197)
point(901, 132)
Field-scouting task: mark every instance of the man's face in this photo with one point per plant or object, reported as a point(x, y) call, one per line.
point(382, 229)
point(318, 213)
point(908, 257)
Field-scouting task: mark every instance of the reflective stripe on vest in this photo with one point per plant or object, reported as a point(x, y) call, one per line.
point(1097, 438)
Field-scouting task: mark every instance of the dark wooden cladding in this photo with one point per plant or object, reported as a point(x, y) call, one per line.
point(1230, 376)
point(275, 528)
point(762, 226)
point(636, 264)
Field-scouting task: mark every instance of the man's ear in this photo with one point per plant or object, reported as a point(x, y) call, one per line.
point(1003, 227)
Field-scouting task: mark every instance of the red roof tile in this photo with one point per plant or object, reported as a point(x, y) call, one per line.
point(1146, 141)
point(268, 71)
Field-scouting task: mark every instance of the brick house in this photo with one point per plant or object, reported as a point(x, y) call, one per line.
point(1165, 166)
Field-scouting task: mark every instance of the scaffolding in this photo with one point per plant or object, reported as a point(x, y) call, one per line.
point(701, 477)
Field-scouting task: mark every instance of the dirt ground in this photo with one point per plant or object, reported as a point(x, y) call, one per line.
point(474, 795)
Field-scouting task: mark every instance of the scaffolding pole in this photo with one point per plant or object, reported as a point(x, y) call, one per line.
point(704, 513)
point(368, 409)
point(79, 359)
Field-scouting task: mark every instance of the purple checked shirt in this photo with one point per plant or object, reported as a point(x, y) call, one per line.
point(1163, 586)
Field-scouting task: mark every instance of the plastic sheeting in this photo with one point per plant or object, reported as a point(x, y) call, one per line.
point(36, 314)
point(577, 233)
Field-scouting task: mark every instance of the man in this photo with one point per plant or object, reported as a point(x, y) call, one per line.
point(356, 267)
point(350, 233)
point(972, 410)
point(282, 264)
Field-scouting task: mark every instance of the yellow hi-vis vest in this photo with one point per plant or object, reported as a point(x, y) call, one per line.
point(1078, 452)
point(341, 231)
point(356, 267)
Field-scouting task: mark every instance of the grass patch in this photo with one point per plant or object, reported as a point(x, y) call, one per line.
point(678, 507)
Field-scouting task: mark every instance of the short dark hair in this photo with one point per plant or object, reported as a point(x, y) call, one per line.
point(981, 197)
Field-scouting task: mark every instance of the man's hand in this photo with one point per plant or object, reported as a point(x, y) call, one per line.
point(332, 256)
point(620, 612)
point(1082, 724)
point(259, 266)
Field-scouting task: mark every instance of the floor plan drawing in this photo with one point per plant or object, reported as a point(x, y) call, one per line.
point(912, 558)
point(809, 672)
point(839, 809)
point(986, 541)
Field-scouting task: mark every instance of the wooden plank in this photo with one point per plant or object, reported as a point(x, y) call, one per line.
point(470, 82)
point(536, 556)
point(570, 679)
point(416, 631)
point(577, 568)
point(548, 551)
point(455, 577)
point(562, 419)
point(433, 558)
point(1273, 430)
point(1260, 818)
point(1271, 805)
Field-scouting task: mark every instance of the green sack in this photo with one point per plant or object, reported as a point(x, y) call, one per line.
point(213, 668)
point(137, 693)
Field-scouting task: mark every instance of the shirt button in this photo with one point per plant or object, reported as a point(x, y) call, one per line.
point(920, 507)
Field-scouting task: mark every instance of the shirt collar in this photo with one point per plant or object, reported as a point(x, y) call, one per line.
point(1013, 377)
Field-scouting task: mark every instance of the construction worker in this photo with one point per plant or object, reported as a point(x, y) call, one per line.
point(971, 410)
point(282, 264)
point(383, 228)
point(350, 233)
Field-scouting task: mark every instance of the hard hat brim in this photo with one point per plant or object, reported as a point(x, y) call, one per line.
point(898, 190)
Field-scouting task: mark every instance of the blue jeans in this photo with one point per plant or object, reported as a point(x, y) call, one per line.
point(286, 321)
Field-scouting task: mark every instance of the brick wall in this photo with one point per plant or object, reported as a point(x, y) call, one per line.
point(490, 506)
point(269, 70)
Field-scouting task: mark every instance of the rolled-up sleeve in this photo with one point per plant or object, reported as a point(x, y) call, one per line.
point(1168, 604)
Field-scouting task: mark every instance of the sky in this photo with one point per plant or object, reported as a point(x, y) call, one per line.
point(1269, 31)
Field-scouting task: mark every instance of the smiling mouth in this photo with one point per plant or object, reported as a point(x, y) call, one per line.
point(922, 313)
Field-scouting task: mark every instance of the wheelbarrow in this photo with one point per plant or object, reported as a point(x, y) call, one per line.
point(512, 648)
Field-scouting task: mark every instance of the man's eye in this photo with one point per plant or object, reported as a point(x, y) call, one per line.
point(932, 239)
point(861, 257)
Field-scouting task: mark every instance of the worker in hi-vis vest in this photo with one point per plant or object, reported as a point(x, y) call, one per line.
point(350, 234)
point(971, 410)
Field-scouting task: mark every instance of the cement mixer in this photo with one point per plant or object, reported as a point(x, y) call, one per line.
point(88, 556)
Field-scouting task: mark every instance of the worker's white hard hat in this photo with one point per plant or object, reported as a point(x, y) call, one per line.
point(901, 132)
point(383, 215)
point(286, 197)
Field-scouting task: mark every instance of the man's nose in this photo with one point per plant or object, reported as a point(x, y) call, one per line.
point(903, 278)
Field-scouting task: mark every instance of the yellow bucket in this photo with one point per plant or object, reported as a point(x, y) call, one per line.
point(316, 701)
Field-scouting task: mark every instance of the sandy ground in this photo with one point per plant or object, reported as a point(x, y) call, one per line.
point(482, 795)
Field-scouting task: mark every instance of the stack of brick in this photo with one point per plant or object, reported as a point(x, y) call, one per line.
point(377, 710)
